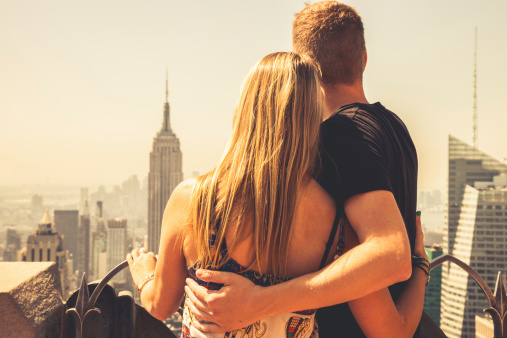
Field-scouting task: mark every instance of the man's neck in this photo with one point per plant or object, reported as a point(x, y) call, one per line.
point(338, 95)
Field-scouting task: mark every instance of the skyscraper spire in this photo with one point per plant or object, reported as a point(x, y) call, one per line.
point(474, 112)
point(166, 85)
point(45, 224)
point(45, 219)
point(166, 123)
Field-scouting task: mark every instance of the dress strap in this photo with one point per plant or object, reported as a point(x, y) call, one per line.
point(337, 221)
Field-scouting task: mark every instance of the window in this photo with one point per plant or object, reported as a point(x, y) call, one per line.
point(40, 255)
point(33, 255)
point(49, 255)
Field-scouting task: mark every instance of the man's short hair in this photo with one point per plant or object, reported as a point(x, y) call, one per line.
point(332, 34)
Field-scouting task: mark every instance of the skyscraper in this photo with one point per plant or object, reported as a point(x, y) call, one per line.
point(117, 246)
point(98, 262)
point(165, 174)
point(67, 224)
point(476, 233)
point(434, 288)
point(83, 244)
point(45, 245)
point(12, 246)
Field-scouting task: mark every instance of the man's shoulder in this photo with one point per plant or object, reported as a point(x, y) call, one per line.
point(363, 118)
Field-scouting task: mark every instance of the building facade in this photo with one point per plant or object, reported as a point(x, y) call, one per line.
point(476, 233)
point(434, 288)
point(83, 245)
point(45, 245)
point(98, 249)
point(12, 246)
point(67, 225)
point(116, 247)
point(165, 174)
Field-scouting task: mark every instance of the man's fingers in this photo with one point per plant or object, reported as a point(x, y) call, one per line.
point(198, 314)
point(207, 327)
point(219, 277)
point(199, 291)
point(198, 302)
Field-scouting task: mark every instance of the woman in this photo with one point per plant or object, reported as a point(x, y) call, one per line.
point(256, 212)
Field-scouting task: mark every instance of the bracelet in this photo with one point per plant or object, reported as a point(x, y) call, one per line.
point(423, 264)
point(426, 272)
point(144, 282)
point(419, 258)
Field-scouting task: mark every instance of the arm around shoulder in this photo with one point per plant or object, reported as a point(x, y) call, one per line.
point(382, 258)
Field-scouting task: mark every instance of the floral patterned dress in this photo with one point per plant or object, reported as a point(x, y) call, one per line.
point(295, 324)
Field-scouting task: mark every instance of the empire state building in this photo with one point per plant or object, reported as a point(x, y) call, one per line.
point(165, 174)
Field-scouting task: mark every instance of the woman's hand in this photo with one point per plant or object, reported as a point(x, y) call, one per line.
point(419, 238)
point(141, 264)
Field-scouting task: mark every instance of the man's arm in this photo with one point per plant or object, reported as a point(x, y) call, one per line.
point(378, 315)
point(381, 259)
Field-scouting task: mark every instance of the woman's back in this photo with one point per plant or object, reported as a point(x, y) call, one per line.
point(314, 217)
point(258, 209)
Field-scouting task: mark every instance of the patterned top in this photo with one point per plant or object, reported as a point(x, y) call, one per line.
point(299, 324)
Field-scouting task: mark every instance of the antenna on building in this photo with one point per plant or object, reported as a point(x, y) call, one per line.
point(474, 112)
point(166, 85)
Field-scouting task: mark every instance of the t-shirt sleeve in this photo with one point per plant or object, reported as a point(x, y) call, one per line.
point(355, 147)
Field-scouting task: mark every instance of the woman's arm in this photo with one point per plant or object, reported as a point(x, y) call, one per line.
point(379, 316)
point(162, 296)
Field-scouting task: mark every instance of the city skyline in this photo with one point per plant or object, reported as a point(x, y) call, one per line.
point(82, 84)
point(474, 233)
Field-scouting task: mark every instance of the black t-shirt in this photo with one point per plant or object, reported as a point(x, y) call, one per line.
point(365, 147)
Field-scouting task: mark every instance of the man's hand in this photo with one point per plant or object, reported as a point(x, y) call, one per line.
point(236, 305)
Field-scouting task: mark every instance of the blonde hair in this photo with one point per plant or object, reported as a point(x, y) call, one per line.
point(272, 147)
point(332, 34)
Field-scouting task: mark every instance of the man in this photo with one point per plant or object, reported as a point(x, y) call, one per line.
point(369, 166)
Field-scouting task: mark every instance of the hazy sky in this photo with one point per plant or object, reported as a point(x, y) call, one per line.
point(82, 84)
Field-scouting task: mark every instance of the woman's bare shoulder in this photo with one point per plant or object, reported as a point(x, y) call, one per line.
point(178, 207)
point(317, 199)
point(316, 210)
point(182, 193)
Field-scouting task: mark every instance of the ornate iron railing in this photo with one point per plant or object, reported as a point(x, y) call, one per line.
point(85, 304)
point(497, 301)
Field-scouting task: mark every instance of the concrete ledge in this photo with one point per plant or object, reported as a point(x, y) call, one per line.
point(30, 299)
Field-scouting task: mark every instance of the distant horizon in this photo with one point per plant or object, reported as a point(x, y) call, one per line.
point(83, 84)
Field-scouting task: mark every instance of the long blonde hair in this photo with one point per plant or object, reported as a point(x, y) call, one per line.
point(273, 145)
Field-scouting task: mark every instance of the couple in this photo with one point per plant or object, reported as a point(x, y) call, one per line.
point(258, 245)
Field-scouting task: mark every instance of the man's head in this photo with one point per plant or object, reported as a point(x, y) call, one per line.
point(332, 34)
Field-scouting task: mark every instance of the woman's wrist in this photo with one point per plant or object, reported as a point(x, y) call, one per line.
point(145, 281)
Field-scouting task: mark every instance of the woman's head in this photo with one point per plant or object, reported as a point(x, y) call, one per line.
point(279, 111)
point(273, 145)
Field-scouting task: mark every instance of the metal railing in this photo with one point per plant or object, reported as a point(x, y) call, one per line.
point(85, 304)
point(497, 300)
